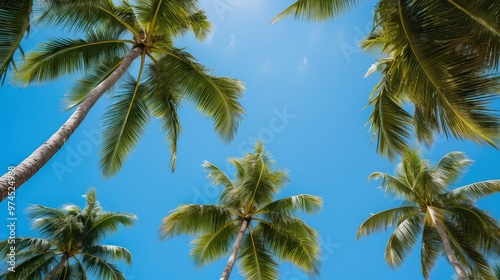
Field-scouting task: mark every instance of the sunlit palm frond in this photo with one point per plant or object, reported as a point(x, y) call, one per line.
point(385, 219)
point(215, 97)
point(102, 268)
point(123, 125)
point(430, 251)
point(395, 186)
point(106, 223)
point(34, 267)
point(291, 245)
point(290, 205)
point(318, 10)
point(15, 18)
point(217, 176)
point(193, 219)
point(403, 239)
point(109, 252)
point(477, 190)
point(451, 167)
point(255, 260)
point(212, 246)
point(62, 56)
point(92, 78)
point(163, 100)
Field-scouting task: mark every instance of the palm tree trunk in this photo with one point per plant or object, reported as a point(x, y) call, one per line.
point(28, 167)
point(57, 268)
point(234, 251)
point(449, 253)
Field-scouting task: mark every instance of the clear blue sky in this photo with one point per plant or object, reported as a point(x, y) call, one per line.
point(305, 98)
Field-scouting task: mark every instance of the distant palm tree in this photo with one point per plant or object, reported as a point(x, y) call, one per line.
point(442, 57)
point(246, 214)
point(446, 219)
point(69, 247)
point(115, 36)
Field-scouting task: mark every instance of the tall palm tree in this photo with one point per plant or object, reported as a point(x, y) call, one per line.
point(442, 57)
point(262, 230)
point(446, 219)
point(116, 35)
point(70, 244)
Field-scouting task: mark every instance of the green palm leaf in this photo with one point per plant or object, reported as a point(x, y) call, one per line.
point(110, 252)
point(431, 250)
point(215, 97)
point(123, 125)
point(255, 261)
point(212, 246)
point(403, 239)
point(101, 268)
point(451, 166)
point(92, 78)
point(62, 56)
point(217, 176)
point(385, 219)
point(318, 10)
point(290, 205)
point(15, 18)
point(34, 267)
point(477, 190)
point(193, 219)
point(106, 223)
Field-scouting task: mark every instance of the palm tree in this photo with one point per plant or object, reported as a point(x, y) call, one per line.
point(116, 35)
point(441, 57)
point(69, 247)
point(263, 230)
point(446, 219)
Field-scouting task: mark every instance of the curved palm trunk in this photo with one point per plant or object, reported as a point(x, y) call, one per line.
point(28, 167)
point(234, 251)
point(449, 253)
point(57, 268)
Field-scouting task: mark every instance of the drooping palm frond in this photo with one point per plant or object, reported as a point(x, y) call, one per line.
point(92, 78)
point(403, 239)
point(308, 204)
point(477, 190)
point(317, 10)
point(217, 176)
point(451, 166)
point(110, 252)
point(255, 260)
point(123, 125)
point(431, 250)
point(62, 56)
point(384, 220)
point(15, 18)
point(102, 268)
point(215, 97)
point(212, 246)
point(193, 219)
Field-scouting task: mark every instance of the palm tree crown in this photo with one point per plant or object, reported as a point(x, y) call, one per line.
point(69, 247)
point(441, 57)
point(246, 214)
point(116, 33)
point(448, 220)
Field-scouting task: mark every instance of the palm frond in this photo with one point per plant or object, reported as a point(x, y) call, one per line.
point(34, 267)
point(92, 78)
point(431, 250)
point(290, 205)
point(123, 125)
point(216, 176)
point(61, 56)
point(28, 244)
point(212, 246)
point(403, 239)
point(193, 219)
point(106, 223)
point(255, 261)
point(102, 268)
point(385, 219)
point(290, 245)
point(110, 252)
point(394, 186)
point(477, 190)
point(163, 101)
point(317, 10)
point(79, 15)
point(451, 166)
point(15, 18)
point(215, 97)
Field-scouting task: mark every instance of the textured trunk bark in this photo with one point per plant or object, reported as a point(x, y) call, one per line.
point(449, 253)
point(234, 251)
point(28, 167)
point(57, 268)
